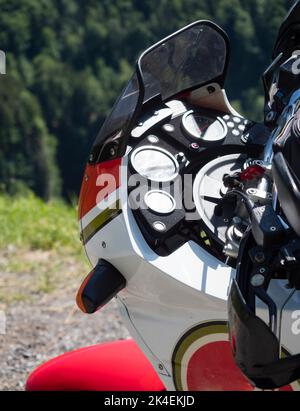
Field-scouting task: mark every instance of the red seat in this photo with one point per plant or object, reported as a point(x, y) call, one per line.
point(117, 366)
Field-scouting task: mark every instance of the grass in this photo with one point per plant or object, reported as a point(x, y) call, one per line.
point(39, 247)
point(28, 222)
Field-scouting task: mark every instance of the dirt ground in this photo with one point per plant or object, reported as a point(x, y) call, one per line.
point(47, 325)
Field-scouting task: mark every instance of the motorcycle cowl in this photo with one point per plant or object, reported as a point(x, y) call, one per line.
point(256, 349)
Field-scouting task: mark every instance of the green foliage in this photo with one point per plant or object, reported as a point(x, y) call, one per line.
point(27, 222)
point(67, 60)
point(39, 252)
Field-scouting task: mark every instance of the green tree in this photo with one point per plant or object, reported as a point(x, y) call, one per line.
point(67, 61)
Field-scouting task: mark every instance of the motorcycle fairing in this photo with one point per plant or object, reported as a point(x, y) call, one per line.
point(93, 188)
point(205, 353)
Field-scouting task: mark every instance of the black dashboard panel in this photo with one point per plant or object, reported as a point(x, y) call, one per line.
point(235, 129)
point(163, 135)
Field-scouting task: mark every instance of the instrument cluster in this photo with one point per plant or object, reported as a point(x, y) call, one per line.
point(168, 148)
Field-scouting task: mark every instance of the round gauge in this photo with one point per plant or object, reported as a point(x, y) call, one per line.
point(160, 202)
point(205, 129)
point(154, 163)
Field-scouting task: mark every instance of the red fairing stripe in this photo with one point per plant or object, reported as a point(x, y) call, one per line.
point(98, 183)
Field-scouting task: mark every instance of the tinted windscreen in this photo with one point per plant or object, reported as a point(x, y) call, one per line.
point(189, 58)
point(121, 114)
point(193, 57)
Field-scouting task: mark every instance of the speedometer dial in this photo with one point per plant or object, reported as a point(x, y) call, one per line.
point(205, 129)
point(155, 163)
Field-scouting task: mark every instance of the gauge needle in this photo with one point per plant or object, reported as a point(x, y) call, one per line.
point(204, 128)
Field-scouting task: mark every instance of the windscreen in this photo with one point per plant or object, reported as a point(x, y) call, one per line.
point(193, 57)
point(118, 120)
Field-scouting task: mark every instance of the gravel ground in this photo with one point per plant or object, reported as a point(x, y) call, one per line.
point(49, 326)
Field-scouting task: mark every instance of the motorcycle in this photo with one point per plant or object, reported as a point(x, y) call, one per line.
point(188, 213)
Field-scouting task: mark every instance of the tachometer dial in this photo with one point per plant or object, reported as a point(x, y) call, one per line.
point(205, 129)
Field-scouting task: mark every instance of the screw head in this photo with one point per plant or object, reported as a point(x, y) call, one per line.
point(159, 226)
point(103, 244)
point(194, 146)
point(260, 257)
point(271, 116)
point(153, 139)
point(257, 280)
point(169, 128)
point(262, 270)
point(112, 152)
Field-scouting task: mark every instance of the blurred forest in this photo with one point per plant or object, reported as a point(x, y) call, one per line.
point(67, 60)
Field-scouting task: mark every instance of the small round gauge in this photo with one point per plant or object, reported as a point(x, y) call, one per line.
point(160, 202)
point(205, 129)
point(155, 163)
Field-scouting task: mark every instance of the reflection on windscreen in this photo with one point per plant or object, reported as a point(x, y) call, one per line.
point(118, 120)
point(122, 110)
point(192, 58)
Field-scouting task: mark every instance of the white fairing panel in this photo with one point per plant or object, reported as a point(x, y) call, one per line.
point(165, 296)
point(173, 306)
